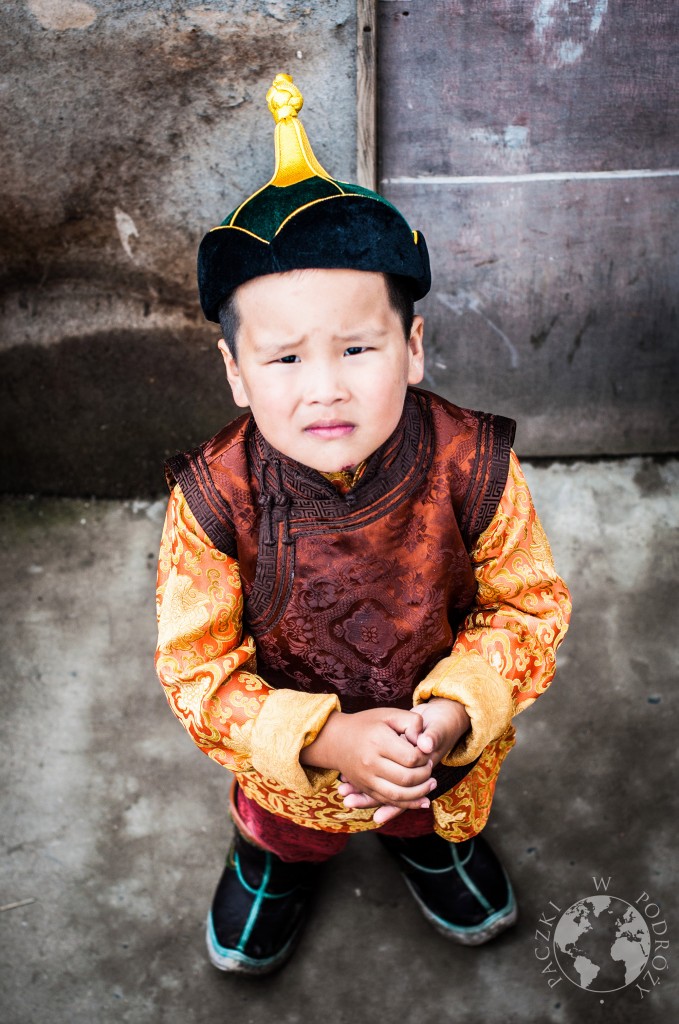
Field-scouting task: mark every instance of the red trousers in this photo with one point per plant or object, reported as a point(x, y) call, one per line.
point(293, 842)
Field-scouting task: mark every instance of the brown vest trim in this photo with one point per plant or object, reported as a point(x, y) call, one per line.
point(488, 476)
point(392, 474)
point(211, 509)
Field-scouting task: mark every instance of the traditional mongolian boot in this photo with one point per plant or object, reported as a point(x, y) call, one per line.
point(259, 909)
point(461, 888)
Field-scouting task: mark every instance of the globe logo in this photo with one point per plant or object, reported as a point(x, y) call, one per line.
point(602, 943)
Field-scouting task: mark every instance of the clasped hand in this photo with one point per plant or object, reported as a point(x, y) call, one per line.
point(385, 756)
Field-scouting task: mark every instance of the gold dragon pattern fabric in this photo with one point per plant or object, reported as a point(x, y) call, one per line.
point(207, 665)
point(522, 607)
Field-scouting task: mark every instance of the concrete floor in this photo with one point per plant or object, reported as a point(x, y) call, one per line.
point(114, 825)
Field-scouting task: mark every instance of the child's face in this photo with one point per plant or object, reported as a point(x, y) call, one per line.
point(323, 363)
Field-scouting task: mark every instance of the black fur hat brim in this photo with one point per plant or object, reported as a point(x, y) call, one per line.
point(353, 232)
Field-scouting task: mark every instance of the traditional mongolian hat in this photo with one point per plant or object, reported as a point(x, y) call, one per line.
point(302, 219)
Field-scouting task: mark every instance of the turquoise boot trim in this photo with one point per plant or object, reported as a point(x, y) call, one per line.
point(495, 922)
point(470, 935)
point(232, 960)
point(227, 958)
point(260, 895)
point(474, 889)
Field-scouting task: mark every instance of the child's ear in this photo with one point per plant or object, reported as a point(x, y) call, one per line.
point(233, 376)
point(416, 351)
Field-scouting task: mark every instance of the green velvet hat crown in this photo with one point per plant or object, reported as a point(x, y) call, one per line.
point(303, 219)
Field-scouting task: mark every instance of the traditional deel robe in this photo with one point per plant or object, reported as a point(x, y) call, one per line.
point(281, 599)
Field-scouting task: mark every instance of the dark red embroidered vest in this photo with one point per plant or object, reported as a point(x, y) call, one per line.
point(358, 594)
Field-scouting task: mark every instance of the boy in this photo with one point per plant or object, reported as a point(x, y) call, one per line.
point(355, 595)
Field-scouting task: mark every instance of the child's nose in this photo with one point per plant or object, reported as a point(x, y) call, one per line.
point(325, 384)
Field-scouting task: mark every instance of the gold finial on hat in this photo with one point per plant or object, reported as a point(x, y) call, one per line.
point(295, 160)
point(284, 98)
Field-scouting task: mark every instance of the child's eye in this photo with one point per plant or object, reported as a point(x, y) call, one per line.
point(355, 350)
point(288, 359)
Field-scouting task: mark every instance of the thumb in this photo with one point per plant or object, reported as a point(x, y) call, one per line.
point(429, 738)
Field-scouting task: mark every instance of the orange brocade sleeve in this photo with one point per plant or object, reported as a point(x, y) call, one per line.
point(203, 661)
point(207, 664)
point(504, 655)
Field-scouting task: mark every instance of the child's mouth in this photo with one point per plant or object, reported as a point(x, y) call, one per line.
point(330, 430)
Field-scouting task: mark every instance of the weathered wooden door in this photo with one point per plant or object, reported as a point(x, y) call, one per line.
point(535, 143)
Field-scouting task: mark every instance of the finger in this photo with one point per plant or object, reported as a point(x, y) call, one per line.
point(389, 793)
point(400, 721)
point(360, 800)
point(398, 749)
point(403, 805)
point(386, 813)
point(378, 796)
point(404, 778)
point(415, 727)
point(345, 788)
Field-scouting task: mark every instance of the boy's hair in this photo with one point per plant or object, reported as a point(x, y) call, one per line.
point(399, 294)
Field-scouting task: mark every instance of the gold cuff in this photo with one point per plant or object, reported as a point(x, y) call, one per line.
point(485, 694)
point(289, 721)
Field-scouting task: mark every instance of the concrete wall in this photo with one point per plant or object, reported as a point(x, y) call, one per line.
point(536, 144)
point(130, 128)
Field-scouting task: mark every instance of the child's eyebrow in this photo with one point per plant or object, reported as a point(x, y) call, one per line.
point(275, 348)
point(362, 332)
